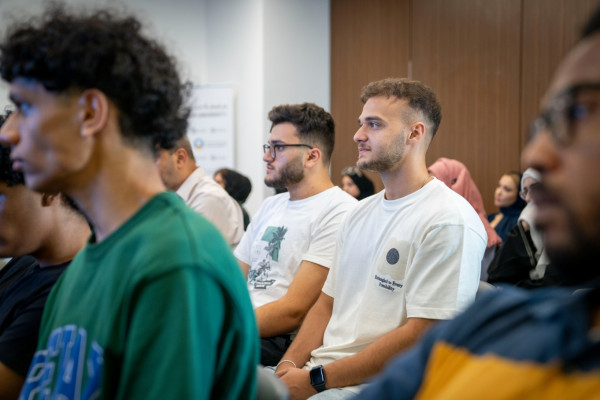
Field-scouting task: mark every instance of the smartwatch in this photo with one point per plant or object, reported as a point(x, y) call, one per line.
point(317, 378)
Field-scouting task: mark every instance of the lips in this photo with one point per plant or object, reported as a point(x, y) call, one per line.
point(362, 150)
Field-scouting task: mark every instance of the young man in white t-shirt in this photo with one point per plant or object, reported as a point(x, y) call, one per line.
point(406, 257)
point(289, 246)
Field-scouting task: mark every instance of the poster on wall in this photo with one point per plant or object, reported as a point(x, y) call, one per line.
point(210, 128)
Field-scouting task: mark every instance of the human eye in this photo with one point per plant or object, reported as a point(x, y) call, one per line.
point(580, 111)
point(23, 108)
point(278, 147)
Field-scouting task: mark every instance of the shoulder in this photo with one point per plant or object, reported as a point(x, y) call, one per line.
point(270, 204)
point(336, 198)
point(166, 231)
point(446, 207)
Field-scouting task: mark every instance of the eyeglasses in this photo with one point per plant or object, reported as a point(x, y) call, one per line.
point(352, 171)
point(532, 188)
point(564, 111)
point(274, 148)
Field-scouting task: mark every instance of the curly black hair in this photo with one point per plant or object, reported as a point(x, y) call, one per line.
point(7, 174)
point(64, 51)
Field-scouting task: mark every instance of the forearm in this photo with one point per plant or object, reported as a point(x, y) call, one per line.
point(311, 332)
point(285, 314)
point(358, 368)
point(277, 318)
point(10, 383)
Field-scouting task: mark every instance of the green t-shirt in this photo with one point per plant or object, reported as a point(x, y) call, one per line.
point(158, 310)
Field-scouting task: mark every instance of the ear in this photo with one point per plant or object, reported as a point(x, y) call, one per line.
point(417, 132)
point(93, 112)
point(181, 157)
point(48, 199)
point(314, 157)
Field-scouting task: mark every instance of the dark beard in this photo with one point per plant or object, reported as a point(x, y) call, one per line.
point(375, 165)
point(576, 266)
point(289, 175)
point(574, 263)
point(385, 162)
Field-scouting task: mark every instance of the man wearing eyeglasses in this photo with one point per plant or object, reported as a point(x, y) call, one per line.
point(407, 256)
point(289, 245)
point(544, 344)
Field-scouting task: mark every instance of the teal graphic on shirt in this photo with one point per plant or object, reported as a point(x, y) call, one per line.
point(274, 235)
point(259, 276)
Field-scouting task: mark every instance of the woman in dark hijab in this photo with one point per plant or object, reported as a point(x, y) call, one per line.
point(355, 183)
point(507, 199)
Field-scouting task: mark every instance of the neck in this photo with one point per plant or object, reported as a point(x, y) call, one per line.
point(121, 185)
point(188, 170)
point(69, 235)
point(405, 178)
point(310, 186)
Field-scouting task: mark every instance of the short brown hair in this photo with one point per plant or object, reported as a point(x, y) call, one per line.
point(420, 97)
point(314, 125)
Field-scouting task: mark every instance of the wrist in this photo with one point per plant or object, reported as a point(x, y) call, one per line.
point(318, 379)
point(285, 364)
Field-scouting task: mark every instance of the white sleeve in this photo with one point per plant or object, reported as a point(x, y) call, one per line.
point(329, 285)
point(443, 277)
point(323, 237)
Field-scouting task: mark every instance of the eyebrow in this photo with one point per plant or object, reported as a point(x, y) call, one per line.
point(370, 119)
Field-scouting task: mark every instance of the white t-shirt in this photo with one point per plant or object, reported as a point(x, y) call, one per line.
point(283, 233)
point(209, 199)
point(417, 256)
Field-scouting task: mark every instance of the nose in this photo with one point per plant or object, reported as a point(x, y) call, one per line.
point(9, 133)
point(267, 156)
point(541, 153)
point(359, 136)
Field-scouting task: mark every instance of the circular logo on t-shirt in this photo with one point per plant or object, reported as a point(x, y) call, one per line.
point(392, 256)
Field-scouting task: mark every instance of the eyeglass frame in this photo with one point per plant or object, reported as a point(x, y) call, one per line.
point(273, 152)
point(558, 118)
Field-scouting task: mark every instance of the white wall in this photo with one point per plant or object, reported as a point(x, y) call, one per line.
point(272, 51)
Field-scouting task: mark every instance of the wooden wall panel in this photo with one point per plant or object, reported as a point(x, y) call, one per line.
point(490, 61)
point(369, 41)
point(550, 29)
point(468, 52)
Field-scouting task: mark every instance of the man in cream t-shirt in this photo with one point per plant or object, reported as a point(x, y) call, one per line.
point(406, 257)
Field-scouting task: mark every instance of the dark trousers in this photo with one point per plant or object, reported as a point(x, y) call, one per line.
point(273, 348)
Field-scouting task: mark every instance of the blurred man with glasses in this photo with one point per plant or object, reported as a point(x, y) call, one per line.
point(288, 247)
point(543, 344)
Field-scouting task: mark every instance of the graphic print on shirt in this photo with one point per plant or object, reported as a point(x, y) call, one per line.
point(273, 237)
point(61, 366)
point(391, 265)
